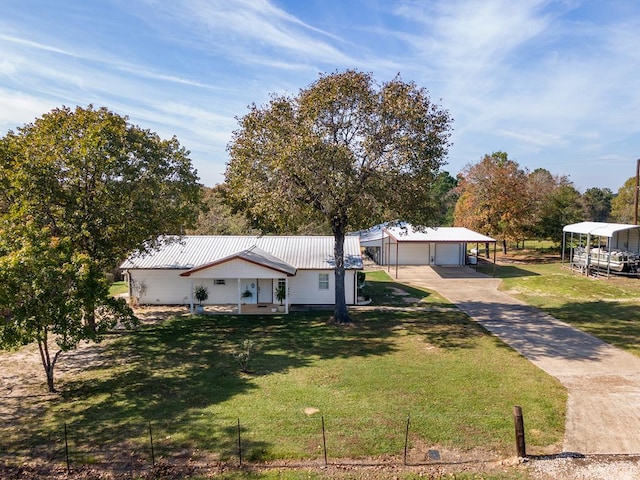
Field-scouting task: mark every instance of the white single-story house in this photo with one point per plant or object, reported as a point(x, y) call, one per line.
point(243, 272)
point(610, 247)
point(403, 244)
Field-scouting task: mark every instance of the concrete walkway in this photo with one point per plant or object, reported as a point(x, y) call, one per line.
point(603, 382)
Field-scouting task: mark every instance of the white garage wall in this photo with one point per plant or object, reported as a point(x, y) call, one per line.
point(448, 254)
point(408, 253)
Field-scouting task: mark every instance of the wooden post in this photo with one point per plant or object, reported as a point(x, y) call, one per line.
point(406, 438)
point(520, 439)
point(66, 448)
point(635, 193)
point(324, 442)
point(239, 444)
point(153, 455)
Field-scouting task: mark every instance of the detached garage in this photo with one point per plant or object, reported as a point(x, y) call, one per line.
point(405, 245)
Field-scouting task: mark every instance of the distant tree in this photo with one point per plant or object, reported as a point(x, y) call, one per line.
point(90, 181)
point(493, 198)
point(622, 204)
point(553, 202)
point(446, 195)
point(597, 204)
point(343, 152)
point(217, 217)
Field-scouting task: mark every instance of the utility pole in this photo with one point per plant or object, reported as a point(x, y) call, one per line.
point(635, 194)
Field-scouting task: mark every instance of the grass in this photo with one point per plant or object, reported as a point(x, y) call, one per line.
point(607, 308)
point(118, 288)
point(457, 385)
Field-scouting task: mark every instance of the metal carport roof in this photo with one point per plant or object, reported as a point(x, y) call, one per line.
point(598, 228)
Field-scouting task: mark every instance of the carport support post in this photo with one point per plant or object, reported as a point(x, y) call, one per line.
point(520, 439)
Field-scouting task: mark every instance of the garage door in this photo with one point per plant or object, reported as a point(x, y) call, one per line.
point(447, 254)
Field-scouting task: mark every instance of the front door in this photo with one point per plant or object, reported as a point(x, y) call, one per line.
point(249, 290)
point(265, 290)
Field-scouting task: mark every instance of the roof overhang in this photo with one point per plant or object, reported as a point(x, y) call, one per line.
point(409, 234)
point(598, 228)
point(252, 255)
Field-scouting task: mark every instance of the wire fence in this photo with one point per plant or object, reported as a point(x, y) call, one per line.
point(319, 440)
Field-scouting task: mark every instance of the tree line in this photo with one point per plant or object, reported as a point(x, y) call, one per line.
point(495, 196)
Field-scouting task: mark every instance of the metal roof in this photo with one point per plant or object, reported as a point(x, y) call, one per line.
point(598, 228)
point(289, 252)
point(405, 232)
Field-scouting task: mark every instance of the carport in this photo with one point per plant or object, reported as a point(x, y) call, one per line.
point(402, 244)
point(602, 247)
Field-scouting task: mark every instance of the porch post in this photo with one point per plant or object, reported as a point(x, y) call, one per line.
point(286, 301)
point(190, 295)
point(239, 297)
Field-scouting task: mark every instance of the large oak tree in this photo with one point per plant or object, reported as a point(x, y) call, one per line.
point(87, 180)
point(343, 151)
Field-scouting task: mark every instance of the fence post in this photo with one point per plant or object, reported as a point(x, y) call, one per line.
point(520, 438)
point(324, 442)
point(153, 456)
point(66, 449)
point(406, 439)
point(239, 444)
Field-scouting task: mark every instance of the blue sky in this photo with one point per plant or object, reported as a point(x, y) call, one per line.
point(555, 84)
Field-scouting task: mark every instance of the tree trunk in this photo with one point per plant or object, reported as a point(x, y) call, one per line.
point(47, 363)
point(504, 246)
point(340, 314)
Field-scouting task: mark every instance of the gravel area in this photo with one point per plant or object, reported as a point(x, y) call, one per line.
point(586, 468)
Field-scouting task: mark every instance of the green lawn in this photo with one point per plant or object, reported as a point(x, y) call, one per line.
point(431, 365)
point(118, 288)
point(607, 308)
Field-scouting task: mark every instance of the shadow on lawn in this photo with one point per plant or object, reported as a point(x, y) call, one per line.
point(167, 374)
point(617, 323)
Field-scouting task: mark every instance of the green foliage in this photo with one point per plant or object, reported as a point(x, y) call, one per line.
point(201, 293)
point(107, 185)
point(597, 204)
point(343, 153)
point(243, 354)
point(622, 204)
point(88, 182)
point(42, 282)
point(217, 218)
point(281, 292)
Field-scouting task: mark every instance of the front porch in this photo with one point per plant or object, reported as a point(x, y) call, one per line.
point(245, 309)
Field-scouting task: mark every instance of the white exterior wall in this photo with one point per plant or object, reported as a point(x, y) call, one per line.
point(304, 288)
point(167, 287)
point(237, 268)
point(163, 287)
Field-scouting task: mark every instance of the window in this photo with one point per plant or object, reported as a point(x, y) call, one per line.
point(323, 281)
point(219, 281)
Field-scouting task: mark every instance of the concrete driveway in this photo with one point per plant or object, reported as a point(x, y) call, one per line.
point(603, 382)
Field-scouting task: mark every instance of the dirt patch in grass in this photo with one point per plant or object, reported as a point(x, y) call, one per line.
point(23, 387)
